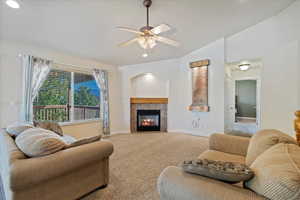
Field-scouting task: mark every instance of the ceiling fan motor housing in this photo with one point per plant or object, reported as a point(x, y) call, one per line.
point(146, 29)
point(147, 3)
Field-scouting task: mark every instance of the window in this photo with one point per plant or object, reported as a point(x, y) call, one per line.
point(67, 96)
point(86, 97)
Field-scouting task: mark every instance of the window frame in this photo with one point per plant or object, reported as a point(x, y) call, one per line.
point(72, 89)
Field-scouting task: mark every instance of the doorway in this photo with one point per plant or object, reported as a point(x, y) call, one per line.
point(245, 101)
point(242, 98)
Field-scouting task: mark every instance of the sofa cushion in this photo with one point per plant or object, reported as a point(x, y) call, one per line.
point(277, 173)
point(51, 126)
point(221, 156)
point(229, 144)
point(15, 129)
point(84, 141)
point(36, 142)
point(224, 171)
point(263, 140)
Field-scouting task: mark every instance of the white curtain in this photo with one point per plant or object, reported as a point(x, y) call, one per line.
point(36, 71)
point(101, 77)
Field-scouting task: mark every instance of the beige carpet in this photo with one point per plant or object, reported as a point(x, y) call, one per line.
point(138, 159)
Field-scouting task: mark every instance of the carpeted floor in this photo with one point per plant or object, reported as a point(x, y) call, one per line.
point(138, 159)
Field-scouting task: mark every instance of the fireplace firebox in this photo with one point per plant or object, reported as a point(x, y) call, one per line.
point(148, 120)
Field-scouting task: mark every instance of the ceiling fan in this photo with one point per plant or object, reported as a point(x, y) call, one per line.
point(148, 36)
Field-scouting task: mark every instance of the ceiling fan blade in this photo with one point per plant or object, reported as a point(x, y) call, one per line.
point(166, 41)
point(123, 44)
point(160, 29)
point(130, 30)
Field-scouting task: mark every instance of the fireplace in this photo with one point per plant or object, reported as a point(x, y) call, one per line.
point(148, 114)
point(148, 120)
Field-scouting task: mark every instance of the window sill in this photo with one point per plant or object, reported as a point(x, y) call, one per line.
point(80, 122)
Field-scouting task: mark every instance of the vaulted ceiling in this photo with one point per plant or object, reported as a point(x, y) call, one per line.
point(88, 27)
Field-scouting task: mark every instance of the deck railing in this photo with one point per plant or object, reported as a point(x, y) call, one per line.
point(61, 113)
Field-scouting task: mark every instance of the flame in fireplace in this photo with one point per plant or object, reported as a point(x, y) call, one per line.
point(148, 122)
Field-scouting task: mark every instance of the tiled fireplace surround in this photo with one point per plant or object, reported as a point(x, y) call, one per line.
point(149, 104)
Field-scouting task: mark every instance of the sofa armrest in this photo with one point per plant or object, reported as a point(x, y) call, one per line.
point(31, 171)
point(229, 144)
point(174, 184)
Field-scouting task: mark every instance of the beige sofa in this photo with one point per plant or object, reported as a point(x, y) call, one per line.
point(83, 129)
point(174, 184)
point(65, 175)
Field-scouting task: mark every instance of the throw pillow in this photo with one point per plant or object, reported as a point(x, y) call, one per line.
point(36, 142)
point(224, 171)
point(277, 173)
point(51, 126)
point(68, 139)
point(263, 140)
point(84, 141)
point(15, 129)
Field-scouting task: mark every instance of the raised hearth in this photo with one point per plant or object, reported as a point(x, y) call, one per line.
point(148, 114)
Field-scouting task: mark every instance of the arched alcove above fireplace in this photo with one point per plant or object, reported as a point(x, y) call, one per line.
point(149, 85)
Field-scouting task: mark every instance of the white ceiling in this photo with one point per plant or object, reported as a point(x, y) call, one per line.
point(87, 27)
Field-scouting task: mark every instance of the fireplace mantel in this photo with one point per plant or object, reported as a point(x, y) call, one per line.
point(149, 100)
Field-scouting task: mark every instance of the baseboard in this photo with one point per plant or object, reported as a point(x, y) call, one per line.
point(196, 134)
point(189, 132)
point(246, 117)
point(119, 132)
point(176, 131)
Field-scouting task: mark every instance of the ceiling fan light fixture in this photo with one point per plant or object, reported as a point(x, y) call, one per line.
point(13, 4)
point(156, 31)
point(147, 42)
point(244, 67)
point(148, 36)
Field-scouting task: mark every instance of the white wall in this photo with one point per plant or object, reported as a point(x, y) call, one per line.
point(11, 80)
point(276, 42)
point(178, 73)
point(198, 123)
point(149, 85)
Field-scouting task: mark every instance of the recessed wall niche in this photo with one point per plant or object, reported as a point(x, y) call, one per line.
point(149, 85)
